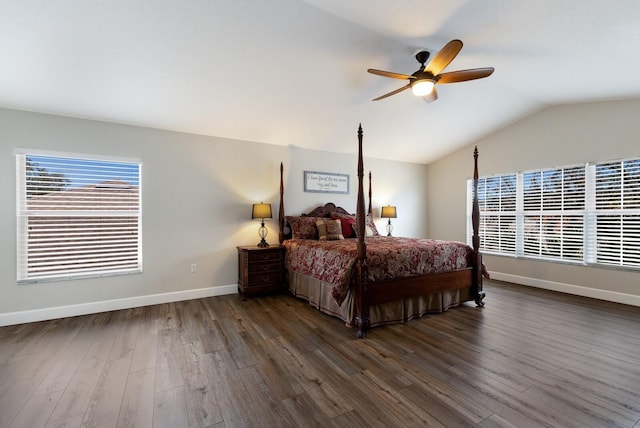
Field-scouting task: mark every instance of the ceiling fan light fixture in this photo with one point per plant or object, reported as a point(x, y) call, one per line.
point(422, 82)
point(422, 87)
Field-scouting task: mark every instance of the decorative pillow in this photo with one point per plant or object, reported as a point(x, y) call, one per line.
point(329, 230)
point(347, 222)
point(369, 223)
point(368, 232)
point(303, 227)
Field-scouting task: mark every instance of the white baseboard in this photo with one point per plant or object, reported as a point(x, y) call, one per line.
point(11, 318)
point(610, 296)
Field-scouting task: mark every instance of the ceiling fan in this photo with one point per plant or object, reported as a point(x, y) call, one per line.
point(423, 81)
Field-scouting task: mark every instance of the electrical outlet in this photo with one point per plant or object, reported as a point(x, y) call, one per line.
point(194, 268)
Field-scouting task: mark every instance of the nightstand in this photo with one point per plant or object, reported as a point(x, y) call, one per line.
point(260, 270)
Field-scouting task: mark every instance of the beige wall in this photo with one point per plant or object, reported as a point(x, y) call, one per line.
point(196, 194)
point(555, 136)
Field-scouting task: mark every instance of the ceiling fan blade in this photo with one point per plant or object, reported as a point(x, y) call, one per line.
point(464, 75)
point(444, 57)
point(431, 96)
point(390, 74)
point(392, 93)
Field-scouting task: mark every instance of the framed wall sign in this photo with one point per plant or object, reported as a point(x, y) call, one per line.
point(325, 182)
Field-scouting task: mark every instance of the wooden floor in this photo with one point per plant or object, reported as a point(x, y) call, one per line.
point(529, 358)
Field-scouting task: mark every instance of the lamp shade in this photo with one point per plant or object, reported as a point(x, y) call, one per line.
point(388, 212)
point(422, 87)
point(261, 210)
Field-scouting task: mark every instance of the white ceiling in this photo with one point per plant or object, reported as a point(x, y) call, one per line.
point(293, 72)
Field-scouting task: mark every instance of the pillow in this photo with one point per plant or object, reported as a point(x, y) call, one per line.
point(368, 232)
point(369, 223)
point(329, 230)
point(347, 222)
point(303, 227)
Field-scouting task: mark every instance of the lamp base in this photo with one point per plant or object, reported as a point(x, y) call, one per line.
point(262, 233)
point(389, 228)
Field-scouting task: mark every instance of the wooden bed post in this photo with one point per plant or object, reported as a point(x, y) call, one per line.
point(369, 210)
point(475, 222)
point(281, 211)
point(361, 268)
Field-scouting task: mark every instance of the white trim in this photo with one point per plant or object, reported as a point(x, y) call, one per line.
point(610, 296)
point(11, 318)
point(57, 154)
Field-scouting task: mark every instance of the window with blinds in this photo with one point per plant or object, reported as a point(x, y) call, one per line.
point(617, 213)
point(497, 200)
point(77, 217)
point(553, 213)
point(588, 214)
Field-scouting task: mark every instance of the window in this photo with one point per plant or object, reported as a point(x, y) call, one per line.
point(77, 216)
point(497, 200)
point(553, 213)
point(617, 213)
point(588, 214)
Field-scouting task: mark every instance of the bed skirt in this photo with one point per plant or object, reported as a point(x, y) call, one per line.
point(318, 294)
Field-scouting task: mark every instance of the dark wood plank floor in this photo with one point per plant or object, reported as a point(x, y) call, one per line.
point(529, 358)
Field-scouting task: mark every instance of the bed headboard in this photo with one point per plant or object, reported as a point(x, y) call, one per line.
point(326, 210)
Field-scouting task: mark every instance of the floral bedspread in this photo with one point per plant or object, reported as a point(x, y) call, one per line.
point(387, 257)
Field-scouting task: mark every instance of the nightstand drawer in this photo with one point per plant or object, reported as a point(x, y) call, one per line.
point(264, 266)
point(264, 256)
point(264, 278)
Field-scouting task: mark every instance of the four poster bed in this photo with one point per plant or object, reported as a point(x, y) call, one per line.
point(378, 280)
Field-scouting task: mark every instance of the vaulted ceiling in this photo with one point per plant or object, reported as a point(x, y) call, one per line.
point(293, 72)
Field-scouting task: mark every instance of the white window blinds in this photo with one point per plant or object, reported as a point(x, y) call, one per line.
point(588, 214)
point(617, 213)
point(553, 217)
point(77, 217)
point(497, 200)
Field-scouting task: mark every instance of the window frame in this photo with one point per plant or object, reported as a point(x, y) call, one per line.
point(583, 206)
point(96, 205)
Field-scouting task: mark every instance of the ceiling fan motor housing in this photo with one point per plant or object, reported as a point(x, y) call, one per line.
point(422, 57)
